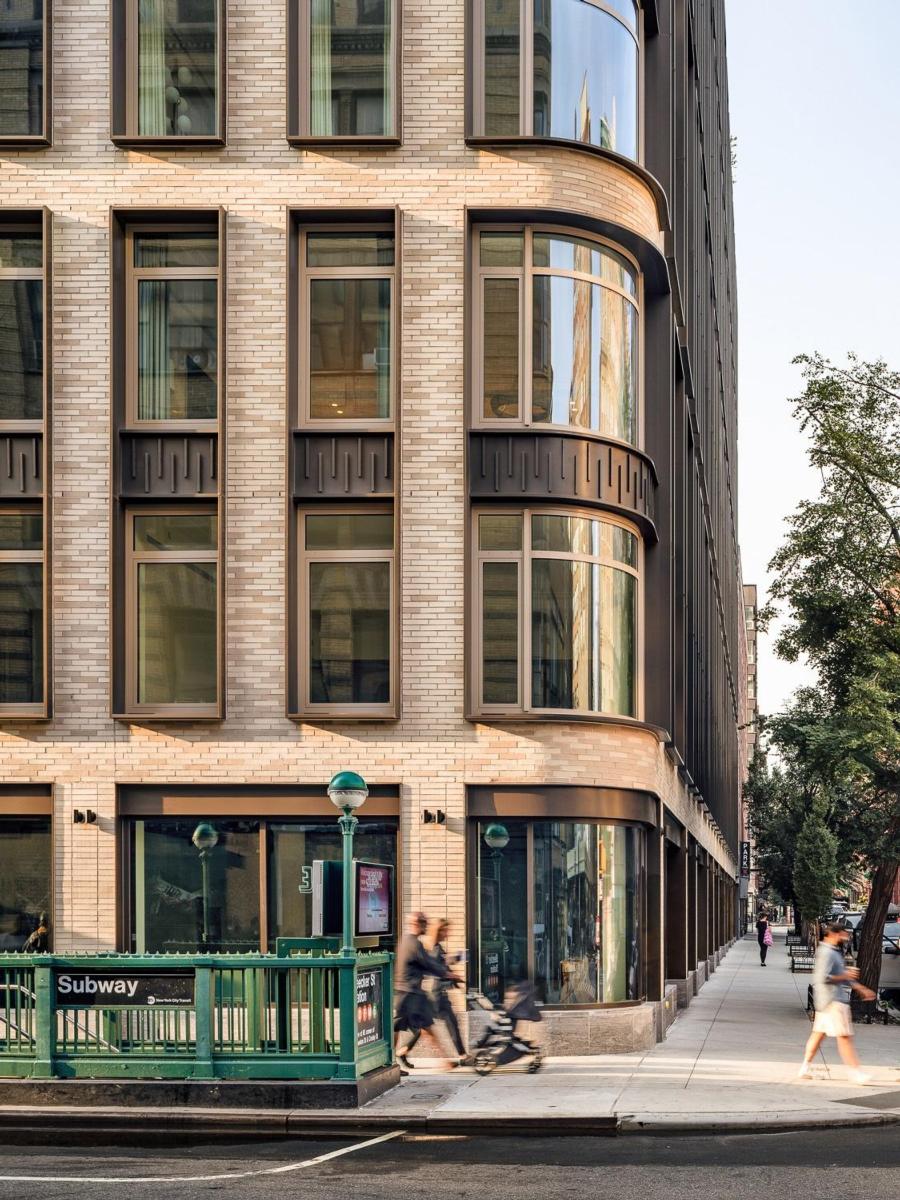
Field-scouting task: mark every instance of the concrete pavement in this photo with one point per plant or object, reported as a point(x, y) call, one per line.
point(729, 1063)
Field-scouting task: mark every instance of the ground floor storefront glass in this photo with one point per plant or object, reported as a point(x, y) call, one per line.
point(231, 885)
point(25, 883)
point(560, 902)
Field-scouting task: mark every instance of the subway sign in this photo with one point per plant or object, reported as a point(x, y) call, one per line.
point(124, 989)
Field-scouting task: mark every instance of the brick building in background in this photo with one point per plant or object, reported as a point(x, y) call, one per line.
point(390, 372)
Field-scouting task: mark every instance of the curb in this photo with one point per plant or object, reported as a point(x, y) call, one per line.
point(38, 1123)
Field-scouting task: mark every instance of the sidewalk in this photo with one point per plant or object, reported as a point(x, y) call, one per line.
point(729, 1063)
point(730, 1060)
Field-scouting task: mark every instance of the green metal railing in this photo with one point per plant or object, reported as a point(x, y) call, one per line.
point(289, 1015)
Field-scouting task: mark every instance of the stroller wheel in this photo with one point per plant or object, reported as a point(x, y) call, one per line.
point(484, 1063)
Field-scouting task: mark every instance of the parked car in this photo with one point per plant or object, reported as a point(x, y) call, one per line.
point(889, 981)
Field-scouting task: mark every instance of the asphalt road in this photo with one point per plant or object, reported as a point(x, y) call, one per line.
point(831, 1165)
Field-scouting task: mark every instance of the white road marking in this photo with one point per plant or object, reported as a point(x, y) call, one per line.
point(298, 1166)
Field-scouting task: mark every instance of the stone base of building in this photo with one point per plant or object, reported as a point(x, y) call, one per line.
point(601, 1030)
point(685, 989)
point(157, 1093)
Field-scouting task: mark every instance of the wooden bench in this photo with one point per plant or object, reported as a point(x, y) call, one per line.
point(801, 948)
point(803, 962)
point(794, 939)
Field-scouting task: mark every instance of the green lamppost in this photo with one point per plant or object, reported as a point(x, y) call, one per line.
point(205, 838)
point(347, 791)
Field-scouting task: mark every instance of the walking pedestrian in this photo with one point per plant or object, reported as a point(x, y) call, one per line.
point(415, 1012)
point(442, 988)
point(833, 981)
point(763, 936)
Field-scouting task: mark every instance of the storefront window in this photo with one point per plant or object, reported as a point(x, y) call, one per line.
point(195, 882)
point(292, 849)
point(582, 880)
point(25, 883)
point(190, 899)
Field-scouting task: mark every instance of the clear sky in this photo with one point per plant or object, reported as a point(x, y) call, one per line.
point(815, 107)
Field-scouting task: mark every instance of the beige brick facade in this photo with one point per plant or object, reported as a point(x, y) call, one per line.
point(432, 752)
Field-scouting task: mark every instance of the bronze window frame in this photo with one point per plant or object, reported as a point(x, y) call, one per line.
point(133, 560)
point(36, 222)
point(306, 275)
point(475, 106)
point(354, 711)
point(526, 274)
point(524, 557)
point(124, 82)
point(39, 141)
point(160, 434)
point(268, 805)
point(134, 277)
point(299, 15)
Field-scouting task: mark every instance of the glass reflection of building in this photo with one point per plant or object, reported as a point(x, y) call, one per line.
point(581, 883)
point(21, 68)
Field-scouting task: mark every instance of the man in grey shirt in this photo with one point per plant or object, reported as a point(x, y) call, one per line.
point(833, 983)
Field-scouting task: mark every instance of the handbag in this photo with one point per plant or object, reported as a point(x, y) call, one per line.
point(767, 937)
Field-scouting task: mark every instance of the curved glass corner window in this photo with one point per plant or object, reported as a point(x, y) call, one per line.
point(348, 68)
point(577, 61)
point(582, 945)
point(557, 318)
point(558, 614)
point(21, 69)
point(175, 44)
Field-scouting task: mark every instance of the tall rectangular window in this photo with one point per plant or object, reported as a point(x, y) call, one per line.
point(21, 610)
point(168, 80)
point(172, 611)
point(21, 324)
point(173, 325)
point(347, 366)
point(347, 607)
point(24, 72)
point(343, 73)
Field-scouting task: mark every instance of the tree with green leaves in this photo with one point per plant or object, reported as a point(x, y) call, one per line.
point(815, 866)
point(837, 579)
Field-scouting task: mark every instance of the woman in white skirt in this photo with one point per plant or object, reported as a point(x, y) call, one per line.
point(833, 982)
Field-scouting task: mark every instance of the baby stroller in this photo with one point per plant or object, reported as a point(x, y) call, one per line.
point(501, 1044)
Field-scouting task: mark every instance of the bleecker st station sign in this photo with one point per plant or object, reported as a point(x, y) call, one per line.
point(131, 988)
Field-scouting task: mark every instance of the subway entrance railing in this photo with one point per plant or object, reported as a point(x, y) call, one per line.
point(293, 1015)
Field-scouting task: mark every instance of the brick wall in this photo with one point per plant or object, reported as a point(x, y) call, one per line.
point(432, 752)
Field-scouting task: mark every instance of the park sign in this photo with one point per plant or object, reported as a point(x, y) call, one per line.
point(124, 989)
point(745, 859)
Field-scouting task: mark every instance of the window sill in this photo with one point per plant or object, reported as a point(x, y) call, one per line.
point(565, 718)
point(333, 717)
point(135, 142)
point(13, 714)
point(299, 142)
point(25, 142)
point(183, 717)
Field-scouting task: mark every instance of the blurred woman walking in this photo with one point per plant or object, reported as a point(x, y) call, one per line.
point(763, 936)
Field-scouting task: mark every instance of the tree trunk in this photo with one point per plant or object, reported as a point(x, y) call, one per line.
point(870, 943)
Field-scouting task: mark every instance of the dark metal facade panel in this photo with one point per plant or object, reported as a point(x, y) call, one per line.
point(525, 466)
point(21, 466)
point(688, 148)
point(340, 466)
point(168, 466)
